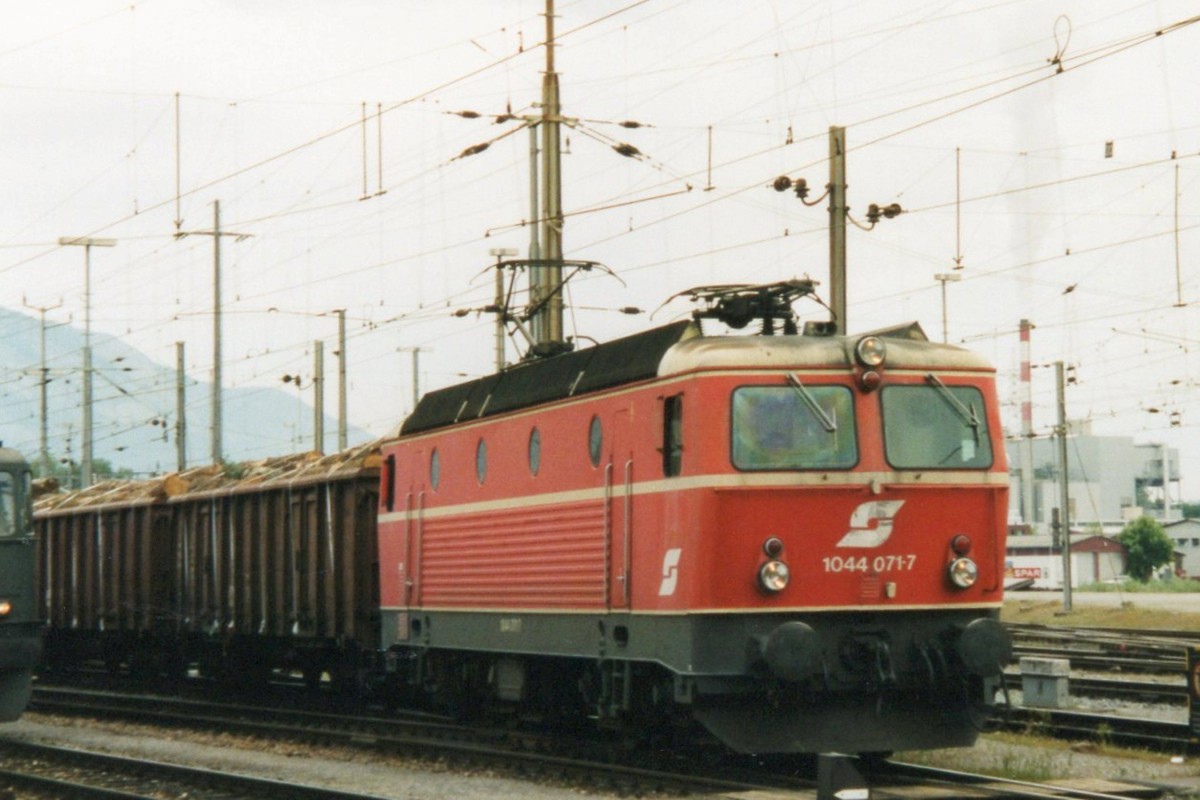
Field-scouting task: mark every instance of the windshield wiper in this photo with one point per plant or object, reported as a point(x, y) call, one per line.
point(827, 422)
point(967, 414)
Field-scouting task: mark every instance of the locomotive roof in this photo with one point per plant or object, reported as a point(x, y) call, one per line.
point(904, 351)
point(669, 350)
point(11, 457)
point(614, 363)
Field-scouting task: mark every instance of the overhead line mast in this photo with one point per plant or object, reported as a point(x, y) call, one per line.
point(548, 321)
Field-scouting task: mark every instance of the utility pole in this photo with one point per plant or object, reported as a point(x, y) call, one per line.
point(180, 410)
point(837, 227)
point(500, 315)
point(500, 253)
point(1026, 425)
point(943, 278)
point(319, 396)
point(1064, 496)
point(216, 448)
point(87, 243)
point(43, 424)
point(548, 323)
point(416, 376)
point(1166, 481)
point(216, 445)
point(535, 213)
point(342, 439)
point(839, 215)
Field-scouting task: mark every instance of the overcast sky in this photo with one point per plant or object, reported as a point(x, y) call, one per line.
point(989, 122)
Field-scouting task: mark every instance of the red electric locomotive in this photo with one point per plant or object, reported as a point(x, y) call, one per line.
point(796, 539)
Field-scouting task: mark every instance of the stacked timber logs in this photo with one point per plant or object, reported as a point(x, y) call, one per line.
point(294, 467)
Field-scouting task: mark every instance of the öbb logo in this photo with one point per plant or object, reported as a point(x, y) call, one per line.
point(670, 572)
point(862, 532)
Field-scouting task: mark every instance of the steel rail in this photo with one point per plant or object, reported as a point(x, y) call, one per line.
point(197, 779)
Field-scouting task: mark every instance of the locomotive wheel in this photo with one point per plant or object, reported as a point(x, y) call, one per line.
point(16, 688)
point(312, 677)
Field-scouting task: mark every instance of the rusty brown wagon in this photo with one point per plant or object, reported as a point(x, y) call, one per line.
point(271, 565)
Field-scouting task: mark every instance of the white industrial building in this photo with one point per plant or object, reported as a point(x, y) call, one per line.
point(1109, 480)
point(1186, 535)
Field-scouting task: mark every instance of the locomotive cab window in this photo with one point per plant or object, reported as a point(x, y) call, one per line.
point(935, 426)
point(793, 427)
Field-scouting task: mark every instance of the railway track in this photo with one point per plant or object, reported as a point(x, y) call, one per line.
point(522, 754)
point(1159, 735)
point(1134, 691)
point(934, 778)
point(1112, 650)
point(72, 773)
point(1107, 648)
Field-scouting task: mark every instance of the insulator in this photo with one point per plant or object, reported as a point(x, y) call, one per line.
point(474, 149)
point(627, 150)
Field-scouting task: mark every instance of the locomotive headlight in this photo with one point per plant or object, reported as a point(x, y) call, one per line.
point(5, 608)
point(963, 572)
point(773, 576)
point(870, 351)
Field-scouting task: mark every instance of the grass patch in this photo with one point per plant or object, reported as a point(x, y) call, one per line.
point(1030, 760)
point(1038, 758)
point(1172, 586)
point(1082, 615)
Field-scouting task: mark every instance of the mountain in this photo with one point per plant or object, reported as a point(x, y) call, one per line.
point(134, 405)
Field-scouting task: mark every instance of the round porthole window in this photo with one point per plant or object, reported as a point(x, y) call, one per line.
point(435, 468)
point(595, 441)
point(535, 451)
point(481, 460)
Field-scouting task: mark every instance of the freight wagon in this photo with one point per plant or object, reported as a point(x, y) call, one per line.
point(236, 573)
point(20, 631)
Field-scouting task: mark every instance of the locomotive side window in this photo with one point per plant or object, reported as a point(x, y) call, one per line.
point(935, 427)
point(8, 505)
point(389, 482)
point(481, 460)
point(595, 441)
point(672, 446)
point(535, 451)
point(793, 427)
point(26, 502)
point(435, 468)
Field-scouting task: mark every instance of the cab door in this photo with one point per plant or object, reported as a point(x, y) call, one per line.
point(399, 537)
point(619, 479)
